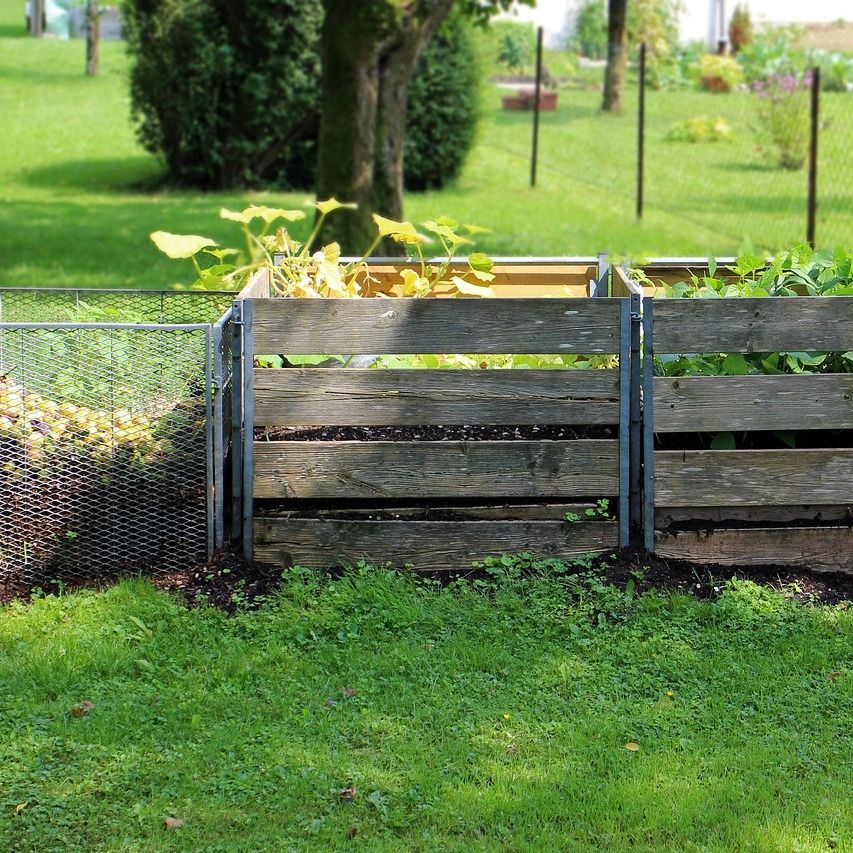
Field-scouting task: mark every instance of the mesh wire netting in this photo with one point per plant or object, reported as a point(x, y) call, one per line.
point(111, 457)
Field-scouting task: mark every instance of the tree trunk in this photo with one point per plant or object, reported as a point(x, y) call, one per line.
point(369, 52)
point(93, 36)
point(617, 55)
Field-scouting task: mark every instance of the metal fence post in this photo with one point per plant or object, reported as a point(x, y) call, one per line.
point(635, 499)
point(237, 422)
point(248, 429)
point(641, 132)
point(537, 90)
point(814, 97)
point(648, 426)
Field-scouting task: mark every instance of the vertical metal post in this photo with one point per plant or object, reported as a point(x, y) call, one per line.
point(218, 434)
point(602, 283)
point(636, 489)
point(208, 438)
point(537, 92)
point(641, 132)
point(237, 422)
point(624, 421)
point(648, 426)
point(248, 429)
point(811, 218)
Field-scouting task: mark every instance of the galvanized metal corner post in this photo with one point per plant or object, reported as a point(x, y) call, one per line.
point(641, 132)
point(209, 438)
point(536, 93)
point(237, 422)
point(648, 426)
point(814, 98)
point(624, 422)
point(636, 487)
point(248, 376)
point(602, 282)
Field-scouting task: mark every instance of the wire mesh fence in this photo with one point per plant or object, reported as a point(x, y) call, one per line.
point(730, 151)
point(112, 442)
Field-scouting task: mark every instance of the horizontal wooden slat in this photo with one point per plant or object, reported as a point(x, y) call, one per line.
point(752, 477)
point(376, 397)
point(392, 326)
point(415, 469)
point(821, 549)
point(797, 324)
point(435, 511)
point(674, 516)
point(430, 546)
point(711, 403)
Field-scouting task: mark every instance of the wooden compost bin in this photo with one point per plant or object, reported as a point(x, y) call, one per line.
point(437, 505)
point(741, 507)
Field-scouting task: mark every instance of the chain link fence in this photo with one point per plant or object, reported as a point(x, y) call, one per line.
point(730, 153)
point(113, 433)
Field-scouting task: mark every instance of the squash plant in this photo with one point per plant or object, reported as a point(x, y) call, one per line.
point(304, 271)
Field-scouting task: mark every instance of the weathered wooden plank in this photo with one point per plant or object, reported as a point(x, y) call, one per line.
point(510, 280)
point(752, 477)
point(393, 326)
point(437, 511)
point(258, 286)
point(671, 516)
point(820, 549)
point(421, 397)
point(415, 469)
point(711, 403)
point(622, 285)
point(798, 324)
point(430, 546)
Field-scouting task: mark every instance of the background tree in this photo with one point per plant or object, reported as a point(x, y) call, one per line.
point(369, 53)
point(617, 55)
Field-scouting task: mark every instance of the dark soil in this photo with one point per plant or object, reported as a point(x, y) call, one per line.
point(232, 584)
point(433, 433)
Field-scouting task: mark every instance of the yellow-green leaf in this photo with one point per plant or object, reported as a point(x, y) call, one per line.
point(270, 214)
point(402, 232)
point(470, 289)
point(480, 262)
point(233, 215)
point(180, 245)
point(332, 204)
point(632, 746)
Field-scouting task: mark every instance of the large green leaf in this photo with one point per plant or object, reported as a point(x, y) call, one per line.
point(180, 245)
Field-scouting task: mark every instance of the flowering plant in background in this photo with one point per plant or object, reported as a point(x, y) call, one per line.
point(783, 116)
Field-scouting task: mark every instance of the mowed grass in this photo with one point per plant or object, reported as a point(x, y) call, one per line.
point(73, 212)
point(465, 719)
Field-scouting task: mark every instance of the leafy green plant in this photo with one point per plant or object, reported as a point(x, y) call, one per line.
point(740, 28)
point(516, 46)
point(590, 38)
point(719, 73)
point(601, 511)
point(798, 271)
point(783, 116)
point(700, 129)
point(300, 271)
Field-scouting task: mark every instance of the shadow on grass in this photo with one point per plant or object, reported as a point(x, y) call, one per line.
point(127, 174)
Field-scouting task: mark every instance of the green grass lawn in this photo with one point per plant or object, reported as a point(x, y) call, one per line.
point(465, 719)
point(72, 214)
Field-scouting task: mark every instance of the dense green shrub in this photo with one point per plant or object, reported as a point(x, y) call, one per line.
point(442, 114)
point(226, 91)
point(590, 38)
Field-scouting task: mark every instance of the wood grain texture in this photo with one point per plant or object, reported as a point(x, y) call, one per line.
point(416, 469)
point(298, 397)
point(712, 403)
point(622, 285)
point(673, 516)
point(430, 546)
point(752, 477)
point(820, 549)
point(797, 324)
point(511, 280)
point(400, 326)
point(433, 511)
point(258, 286)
